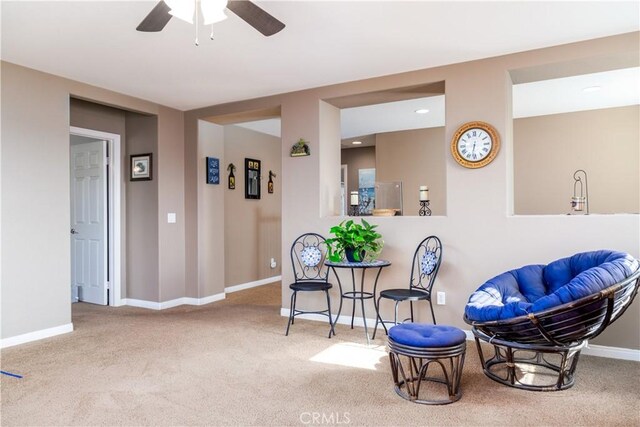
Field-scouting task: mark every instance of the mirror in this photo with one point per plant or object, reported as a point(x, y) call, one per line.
point(394, 143)
point(251, 178)
point(587, 122)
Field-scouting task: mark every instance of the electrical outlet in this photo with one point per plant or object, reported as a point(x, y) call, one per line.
point(273, 263)
point(441, 298)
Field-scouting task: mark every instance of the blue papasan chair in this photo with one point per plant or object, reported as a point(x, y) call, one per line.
point(538, 318)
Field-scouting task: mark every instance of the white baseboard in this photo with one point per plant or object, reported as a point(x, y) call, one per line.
point(152, 305)
point(249, 285)
point(612, 352)
point(596, 350)
point(36, 335)
point(589, 350)
point(345, 319)
point(172, 303)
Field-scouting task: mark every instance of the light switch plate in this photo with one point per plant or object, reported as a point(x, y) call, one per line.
point(171, 218)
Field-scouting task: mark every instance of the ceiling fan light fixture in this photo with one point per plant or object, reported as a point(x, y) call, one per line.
point(182, 9)
point(213, 11)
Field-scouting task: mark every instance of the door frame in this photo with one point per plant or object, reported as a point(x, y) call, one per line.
point(114, 150)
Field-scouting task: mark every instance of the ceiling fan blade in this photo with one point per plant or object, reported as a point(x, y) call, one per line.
point(156, 19)
point(255, 16)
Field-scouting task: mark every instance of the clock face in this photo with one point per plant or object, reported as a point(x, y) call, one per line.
point(475, 144)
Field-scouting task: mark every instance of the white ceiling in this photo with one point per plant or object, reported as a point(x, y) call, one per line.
point(324, 42)
point(618, 88)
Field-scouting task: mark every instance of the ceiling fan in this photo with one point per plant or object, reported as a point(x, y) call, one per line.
point(212, 11)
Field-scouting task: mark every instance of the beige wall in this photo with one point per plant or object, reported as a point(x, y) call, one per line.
point(415, 157)
point(170, 176)
point(36, 292)
point(142, 207)
point(211, 255)
point(252, 232)
point(480, 238)
point(35, 214)
point(549, 149)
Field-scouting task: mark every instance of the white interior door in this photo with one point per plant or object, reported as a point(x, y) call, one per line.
point(89, 221)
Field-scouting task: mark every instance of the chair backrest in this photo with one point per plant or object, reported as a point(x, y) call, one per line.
point(426, 263)
point(308, 254)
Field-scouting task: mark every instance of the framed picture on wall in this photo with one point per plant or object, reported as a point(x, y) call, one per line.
point(141, 165)
point(252, 178)
point(213, 170)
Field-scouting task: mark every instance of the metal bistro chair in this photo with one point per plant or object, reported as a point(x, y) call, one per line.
point(308, 253)
point(424, 269)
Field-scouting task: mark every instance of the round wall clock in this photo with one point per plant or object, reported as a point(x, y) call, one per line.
point(475, 144)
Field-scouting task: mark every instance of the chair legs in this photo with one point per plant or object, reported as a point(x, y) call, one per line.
point(433, 314)
point(331, 330)
point(293, 312)
point(395, 317)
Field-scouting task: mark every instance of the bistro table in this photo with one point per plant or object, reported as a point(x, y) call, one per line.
point(354, 294)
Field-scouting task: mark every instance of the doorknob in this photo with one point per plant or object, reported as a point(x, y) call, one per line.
point(73, 231)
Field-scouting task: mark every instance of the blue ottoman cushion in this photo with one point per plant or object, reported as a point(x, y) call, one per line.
point(426, 336)
point(535, 288)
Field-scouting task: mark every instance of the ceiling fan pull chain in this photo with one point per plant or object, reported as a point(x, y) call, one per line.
point(197, 19)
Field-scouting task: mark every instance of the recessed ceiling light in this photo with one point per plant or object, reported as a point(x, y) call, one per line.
point(357, 142)
point(591, 89)
point(422, 111)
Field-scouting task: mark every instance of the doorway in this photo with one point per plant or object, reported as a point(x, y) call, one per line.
point(95, 189)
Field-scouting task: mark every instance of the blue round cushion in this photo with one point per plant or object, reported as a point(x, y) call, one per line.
point(426, 336)
point(535, 288)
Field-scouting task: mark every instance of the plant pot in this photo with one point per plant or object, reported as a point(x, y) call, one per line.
point(350, 252)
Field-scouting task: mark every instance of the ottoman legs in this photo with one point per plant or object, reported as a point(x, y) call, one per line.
point(409, 366)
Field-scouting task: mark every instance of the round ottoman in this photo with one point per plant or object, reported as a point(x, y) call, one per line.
point(413, 348)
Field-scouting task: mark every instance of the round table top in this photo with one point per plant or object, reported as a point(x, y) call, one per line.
point(364, 264)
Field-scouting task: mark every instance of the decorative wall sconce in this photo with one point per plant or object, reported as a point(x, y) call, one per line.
point(300, 148)
point(354, 202)
point(580, 199)
point(424, 201)
point(232, 178)
point(270, 183)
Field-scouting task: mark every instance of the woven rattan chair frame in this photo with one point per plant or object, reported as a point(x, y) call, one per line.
point(563, 330)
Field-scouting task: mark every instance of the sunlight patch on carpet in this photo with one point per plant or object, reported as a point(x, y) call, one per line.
point(352, 355)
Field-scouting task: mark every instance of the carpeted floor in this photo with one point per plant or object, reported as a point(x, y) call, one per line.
point(229, 363)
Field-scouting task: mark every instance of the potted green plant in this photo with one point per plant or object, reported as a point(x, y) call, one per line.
point(355, 242)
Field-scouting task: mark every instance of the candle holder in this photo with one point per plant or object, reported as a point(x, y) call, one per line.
point(424, 208)
point(580, 199)
point(354, 210)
